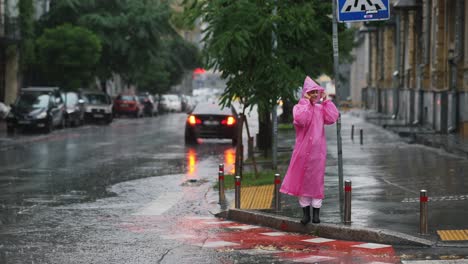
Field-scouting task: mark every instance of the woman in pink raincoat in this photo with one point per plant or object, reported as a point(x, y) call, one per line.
point(305, 175)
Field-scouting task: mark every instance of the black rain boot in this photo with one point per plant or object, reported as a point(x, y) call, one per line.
point(306, 218)
point(315, 215)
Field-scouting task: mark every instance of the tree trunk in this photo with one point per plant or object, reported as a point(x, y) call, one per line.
point(103, 85)
point(264, 134)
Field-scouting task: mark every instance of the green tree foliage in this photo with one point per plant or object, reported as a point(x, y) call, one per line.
point(239, 43)
point(265, 48)
point(68, 55)
point(27, 55)
point(135, 35)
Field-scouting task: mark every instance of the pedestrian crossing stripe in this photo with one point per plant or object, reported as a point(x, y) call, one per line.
point(452, 235)
point(363, 5)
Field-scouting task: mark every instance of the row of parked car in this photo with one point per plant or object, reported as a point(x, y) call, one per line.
point(47, 108)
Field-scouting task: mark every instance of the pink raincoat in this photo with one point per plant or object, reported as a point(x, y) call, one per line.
point(305, 175)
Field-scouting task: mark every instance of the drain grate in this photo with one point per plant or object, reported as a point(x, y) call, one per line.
point(451, 235)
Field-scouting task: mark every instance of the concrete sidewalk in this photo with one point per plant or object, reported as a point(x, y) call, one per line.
point(387, 172)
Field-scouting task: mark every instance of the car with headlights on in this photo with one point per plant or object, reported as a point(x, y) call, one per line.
point(210, 120)
point(37, 107)
point(98, 106)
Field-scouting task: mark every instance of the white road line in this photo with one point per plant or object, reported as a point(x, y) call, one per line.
point(313, 259)
point(274, 234)
point(318, 240)
point(216, 244)
point(163, 203)
point(243, 227)
point(371, 246)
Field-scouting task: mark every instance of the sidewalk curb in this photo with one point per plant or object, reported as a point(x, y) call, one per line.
point(332, 231)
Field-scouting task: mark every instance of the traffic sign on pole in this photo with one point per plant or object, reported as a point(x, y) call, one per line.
point(362, 10)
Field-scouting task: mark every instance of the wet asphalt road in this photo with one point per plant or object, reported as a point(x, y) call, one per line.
point(73, 195)
point(97, 194)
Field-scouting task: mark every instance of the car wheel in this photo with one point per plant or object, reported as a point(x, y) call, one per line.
point(109, 119)
point(10, 130)
point(49, 127)
point(190, 138)
point(63, 123)
point(234, 141)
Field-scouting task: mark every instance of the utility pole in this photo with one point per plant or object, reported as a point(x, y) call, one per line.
point(337, 100)
point(274, 113)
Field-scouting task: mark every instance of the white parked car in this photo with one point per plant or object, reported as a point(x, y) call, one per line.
point(170, 103)
point(4, 110)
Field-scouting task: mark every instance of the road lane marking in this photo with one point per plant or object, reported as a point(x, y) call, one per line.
point(216, 244)
point(163, 203)
point(318, 240)
point(371, 246)
point(244, 227)
point(274, 234)
point(313, 259)
point(461, 197)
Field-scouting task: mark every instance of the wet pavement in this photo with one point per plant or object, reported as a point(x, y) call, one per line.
point(132, 192)
point(388, 172)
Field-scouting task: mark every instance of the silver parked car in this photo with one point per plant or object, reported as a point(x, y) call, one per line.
point(98, 106)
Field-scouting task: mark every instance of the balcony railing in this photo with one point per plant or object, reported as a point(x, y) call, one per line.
point(10, 29)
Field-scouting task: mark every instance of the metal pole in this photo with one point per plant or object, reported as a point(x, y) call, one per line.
point(337, 99)
point(423, 199)
point(352, 132)
point(237, 192)
point(277, 192)
point(361, 136)
point(347, 209)
point(250, 146)
point(222, 197)
point(274, 147)
point(274, 117)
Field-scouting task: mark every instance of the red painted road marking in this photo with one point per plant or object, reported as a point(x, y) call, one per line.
point(210, 232)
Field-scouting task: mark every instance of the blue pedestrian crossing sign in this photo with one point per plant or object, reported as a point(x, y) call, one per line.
point(363, 10)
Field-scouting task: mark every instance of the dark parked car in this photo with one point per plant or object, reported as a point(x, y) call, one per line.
point(209, 120)
point(150, 105)
point(98, 106)
point(125, 104)
point(37, 107)
point(74, 105)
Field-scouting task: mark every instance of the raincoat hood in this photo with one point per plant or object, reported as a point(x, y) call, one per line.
point(310, 85)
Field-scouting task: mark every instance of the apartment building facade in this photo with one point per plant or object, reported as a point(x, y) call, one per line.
point(414, 67)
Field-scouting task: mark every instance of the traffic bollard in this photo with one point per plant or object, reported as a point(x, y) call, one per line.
point(221, 167)
point(423, 199)
point(361, 136)
point(277, 192)
point(222, 198)
point(347, 203)
point(237, 192)
point(352, 132)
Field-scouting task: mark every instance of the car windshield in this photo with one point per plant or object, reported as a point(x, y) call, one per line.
point(72, 99)
point(96, 99)
point(33, 100)
point(126, 98)
point(209, 108)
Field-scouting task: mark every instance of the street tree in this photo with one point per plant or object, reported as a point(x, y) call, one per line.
point(132, 34)
point(264, 48)
point(67, 56)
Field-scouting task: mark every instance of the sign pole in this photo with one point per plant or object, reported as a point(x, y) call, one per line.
point(337, 100)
